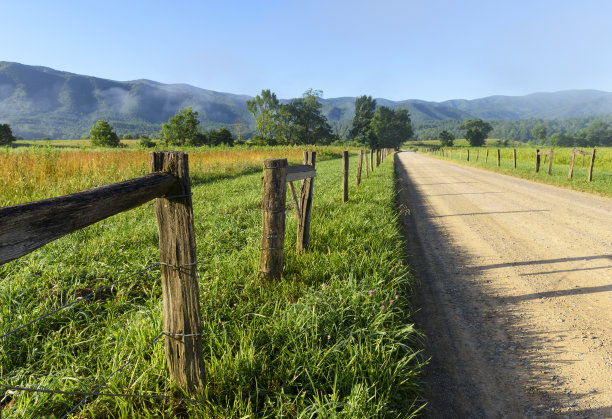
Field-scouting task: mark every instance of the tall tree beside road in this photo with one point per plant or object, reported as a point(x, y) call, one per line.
point(390, 127)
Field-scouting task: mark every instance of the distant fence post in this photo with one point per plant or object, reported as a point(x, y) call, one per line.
point(550, 161)
point(487, 156)
point(345, 169)
point(498, 158)
point(477, 153)
point(177, 254)
point(571, 168)
point(377, 157)
point(365, 152)
point(590, 177)
point(358, 180)
point(514, 156)
point(309, 158)
point(468, 154)
point(273, 196)
point(537, 160)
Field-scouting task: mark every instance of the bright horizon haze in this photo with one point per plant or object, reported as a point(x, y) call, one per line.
point(430, 50)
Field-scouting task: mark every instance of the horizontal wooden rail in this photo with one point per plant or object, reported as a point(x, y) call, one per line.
point(300, 172)
point(26, 227)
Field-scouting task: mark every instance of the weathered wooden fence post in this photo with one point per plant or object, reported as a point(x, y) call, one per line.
point(273, 196)
point(590, 177)
point(537, 160)
point(309, 158)
point(365, 152)
point(498, 158)
point(358, 180)
point(487, 156)
point(377, 157)
point(177, 255)
point(514, 156)
point(345, 169)
point(477, 154)
point(550, 161)
point(571, 167)
point(468, 154)
point(371, 160)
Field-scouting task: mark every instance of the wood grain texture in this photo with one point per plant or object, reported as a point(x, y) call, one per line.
point(303, 236)
point(26, 227)
point(181, 297)
point(273, 196)
point(300, 172)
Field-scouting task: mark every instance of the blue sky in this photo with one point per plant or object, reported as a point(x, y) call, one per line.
point(430, 50)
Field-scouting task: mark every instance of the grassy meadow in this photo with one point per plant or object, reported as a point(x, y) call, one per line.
point(526, 161)
point(333, 338)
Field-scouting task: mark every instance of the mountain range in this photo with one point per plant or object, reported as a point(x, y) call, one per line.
point(42, 102)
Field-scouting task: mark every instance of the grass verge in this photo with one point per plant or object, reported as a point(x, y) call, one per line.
point(333, 338)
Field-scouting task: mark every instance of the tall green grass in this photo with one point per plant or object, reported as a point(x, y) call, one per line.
point(526, 161)
point(333, 338)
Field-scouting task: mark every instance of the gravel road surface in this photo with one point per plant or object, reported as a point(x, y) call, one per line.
point(514, 293)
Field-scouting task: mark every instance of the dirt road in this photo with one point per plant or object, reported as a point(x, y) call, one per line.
point(515, 292)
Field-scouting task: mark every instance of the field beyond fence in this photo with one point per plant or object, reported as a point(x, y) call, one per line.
point(333, 337)
point(601, 183)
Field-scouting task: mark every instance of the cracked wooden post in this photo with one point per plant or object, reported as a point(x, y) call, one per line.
point(590, 176)
point(309, 158)
point(345, 169)
point(273, 196)
point(177, 255)
point(358, 179)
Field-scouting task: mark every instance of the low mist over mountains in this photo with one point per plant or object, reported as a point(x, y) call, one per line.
point(41, 102)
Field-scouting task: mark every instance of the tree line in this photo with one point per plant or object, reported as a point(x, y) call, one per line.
point(583, 131)
point(301, 122)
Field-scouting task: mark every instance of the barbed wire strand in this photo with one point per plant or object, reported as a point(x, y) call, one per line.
point(78, 300)
point(95, 390)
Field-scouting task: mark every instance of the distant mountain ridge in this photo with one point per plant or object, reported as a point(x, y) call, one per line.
point(42, 102)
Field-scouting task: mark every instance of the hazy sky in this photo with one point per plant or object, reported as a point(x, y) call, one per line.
point(429, 49)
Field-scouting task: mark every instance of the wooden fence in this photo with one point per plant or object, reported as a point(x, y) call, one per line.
point(584, 153)
point(26, 227)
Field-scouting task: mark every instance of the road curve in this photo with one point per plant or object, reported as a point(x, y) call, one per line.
point(514, 294)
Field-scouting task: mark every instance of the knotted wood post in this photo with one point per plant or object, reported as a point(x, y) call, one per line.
point(273, 196)
point(590, 177)
point(303, 235)
point(177, 255)
point(358, 180)
point(345, 169)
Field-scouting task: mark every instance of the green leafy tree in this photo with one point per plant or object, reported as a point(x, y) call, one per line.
point(446, 139)
point(222, 136)
point(365, 107)
point(6, 134)
point(266, 109)
point(539, 133)
point(102, 134)
point(183, 128)
point(476, 131)
point(390, 127)
point(307, 125)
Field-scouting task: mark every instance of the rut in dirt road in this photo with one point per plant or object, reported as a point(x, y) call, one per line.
point(515, 292)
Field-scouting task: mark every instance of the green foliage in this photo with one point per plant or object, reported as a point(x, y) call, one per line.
point(181, 128)
point(317, 343)
point(102, 134)
point(539, 132)
point(476, 131)
point(221, 136)
point(146, 142)
point(365, 107)
point(6, 134)
point(298, 122)
point(446, 139)
point(266, 110)
point(390, 128)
